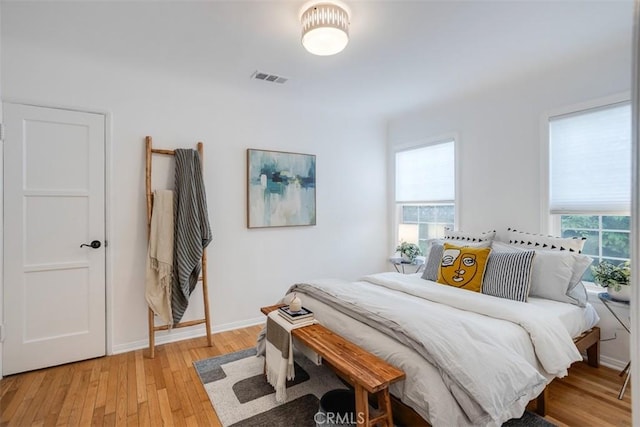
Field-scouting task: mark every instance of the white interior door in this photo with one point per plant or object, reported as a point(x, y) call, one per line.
point(54, 289)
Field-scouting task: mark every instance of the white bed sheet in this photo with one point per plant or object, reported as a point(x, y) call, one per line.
point(423, 388)
point(574, 318)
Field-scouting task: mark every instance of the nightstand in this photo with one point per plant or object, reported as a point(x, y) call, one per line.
point(610, 303)
point(399, 264)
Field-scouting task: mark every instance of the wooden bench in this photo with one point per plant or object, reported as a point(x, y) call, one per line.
point(367, 373)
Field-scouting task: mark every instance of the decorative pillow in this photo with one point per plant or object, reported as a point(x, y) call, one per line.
point(577, 291)
point(497, 246)
point(433, 262)
point(579, 295)
point(429, 244)
point(463, 266)
point(555, 275)
point(508, 275)
point(434, 256)
point(461, 236)
point(539, 241)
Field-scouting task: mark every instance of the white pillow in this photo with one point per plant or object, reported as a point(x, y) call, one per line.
point(555, 275)
point(461, 236)
point(577, 291)
point(539, 241)
point(579, 295)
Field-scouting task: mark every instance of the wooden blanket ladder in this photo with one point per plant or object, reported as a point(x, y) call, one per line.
point(203, 278)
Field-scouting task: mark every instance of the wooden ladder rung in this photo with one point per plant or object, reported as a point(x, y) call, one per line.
point(161, 151)
point(180, 325)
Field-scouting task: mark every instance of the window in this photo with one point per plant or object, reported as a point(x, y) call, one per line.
point(425, 192)
point(608, 236)
point(590, 179)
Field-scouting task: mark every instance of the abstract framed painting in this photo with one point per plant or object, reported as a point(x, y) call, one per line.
point(281, 189)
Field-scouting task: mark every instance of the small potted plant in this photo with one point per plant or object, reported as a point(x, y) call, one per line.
point(615, 278)
point(409, 251)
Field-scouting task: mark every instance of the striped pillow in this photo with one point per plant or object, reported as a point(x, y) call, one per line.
point(508, 275)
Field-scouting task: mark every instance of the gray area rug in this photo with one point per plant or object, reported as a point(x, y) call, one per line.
point(242, 397)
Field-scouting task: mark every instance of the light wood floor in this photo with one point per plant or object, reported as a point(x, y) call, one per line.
point(133, 390)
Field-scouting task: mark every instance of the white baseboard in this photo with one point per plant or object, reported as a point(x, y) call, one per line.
point(612, 363)
point(174, 335)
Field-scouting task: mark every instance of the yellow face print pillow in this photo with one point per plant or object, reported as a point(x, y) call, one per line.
point(463, 266)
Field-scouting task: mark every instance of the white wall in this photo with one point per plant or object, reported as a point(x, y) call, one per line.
point(499, 136)
point(247, 268)
point(499, 147)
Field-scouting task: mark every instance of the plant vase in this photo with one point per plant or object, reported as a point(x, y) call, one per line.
point(622, 294)
point(615, 278)
point(409, 252)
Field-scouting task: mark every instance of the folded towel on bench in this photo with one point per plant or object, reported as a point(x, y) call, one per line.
point(279, 352)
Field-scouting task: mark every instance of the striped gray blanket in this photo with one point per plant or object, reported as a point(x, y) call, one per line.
point(192, 230)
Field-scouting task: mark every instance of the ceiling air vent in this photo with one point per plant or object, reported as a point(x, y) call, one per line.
point(259, 75)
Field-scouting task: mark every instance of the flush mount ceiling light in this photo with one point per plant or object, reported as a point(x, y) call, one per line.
point(325, 27)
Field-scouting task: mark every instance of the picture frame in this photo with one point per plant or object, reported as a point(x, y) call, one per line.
point(281, 189)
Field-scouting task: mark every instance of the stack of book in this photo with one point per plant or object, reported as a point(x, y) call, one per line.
point(301, 316)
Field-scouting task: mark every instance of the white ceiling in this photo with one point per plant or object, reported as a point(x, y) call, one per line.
point(402, 54)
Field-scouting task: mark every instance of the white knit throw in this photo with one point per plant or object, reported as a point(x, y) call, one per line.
point(160, 256)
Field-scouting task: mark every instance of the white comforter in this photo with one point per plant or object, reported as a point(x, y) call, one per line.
point(488, 354)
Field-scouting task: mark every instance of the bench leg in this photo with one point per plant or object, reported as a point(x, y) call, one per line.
point(384, 404)
point(363, 416)
point(362, 406)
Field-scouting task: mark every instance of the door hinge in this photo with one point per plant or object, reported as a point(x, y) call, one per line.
point(1, 333)
point(1, 131)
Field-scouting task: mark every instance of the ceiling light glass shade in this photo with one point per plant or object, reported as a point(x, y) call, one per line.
point(325, 27)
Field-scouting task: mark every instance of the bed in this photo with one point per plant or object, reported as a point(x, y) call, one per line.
point(470, 358)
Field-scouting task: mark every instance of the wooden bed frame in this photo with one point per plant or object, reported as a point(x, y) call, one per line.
point(588, 342)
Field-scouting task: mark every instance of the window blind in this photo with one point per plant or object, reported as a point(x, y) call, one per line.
point(426, 174)
point(590, 161)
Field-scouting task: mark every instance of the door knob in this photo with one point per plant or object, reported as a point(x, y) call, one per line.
point(95, 244)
